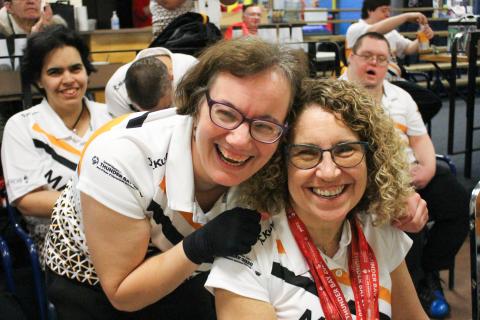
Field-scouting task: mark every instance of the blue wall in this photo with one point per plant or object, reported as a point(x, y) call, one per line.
point(342, 28)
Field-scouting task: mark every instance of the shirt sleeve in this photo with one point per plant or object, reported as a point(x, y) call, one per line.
point(354, 32)
point(245, 275)
point(415, 124)
point(22, 164)
point(400, 43)
point(114, 172)
point(181, 64)
point(389, 244)
point(116, 96)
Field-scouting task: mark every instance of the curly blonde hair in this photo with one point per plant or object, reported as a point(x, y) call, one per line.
point(388, 184)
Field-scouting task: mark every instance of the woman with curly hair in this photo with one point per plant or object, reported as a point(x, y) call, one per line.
point(329, 251)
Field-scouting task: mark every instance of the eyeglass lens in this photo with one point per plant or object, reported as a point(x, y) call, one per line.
point(381, 60)
point(229, 118)
point(344, 155)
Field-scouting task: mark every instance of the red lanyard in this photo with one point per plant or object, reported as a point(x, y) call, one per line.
point(363, 271)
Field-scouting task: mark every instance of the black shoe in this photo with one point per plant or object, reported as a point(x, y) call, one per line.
point(431, 296)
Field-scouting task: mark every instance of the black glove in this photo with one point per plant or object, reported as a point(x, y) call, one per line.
point(232, 232)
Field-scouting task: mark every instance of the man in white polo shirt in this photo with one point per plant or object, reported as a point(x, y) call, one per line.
point(116, 95)
point(446, 198)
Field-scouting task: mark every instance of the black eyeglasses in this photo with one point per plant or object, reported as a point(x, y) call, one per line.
point(344, 155)
point(368, 57)
point(228, 117)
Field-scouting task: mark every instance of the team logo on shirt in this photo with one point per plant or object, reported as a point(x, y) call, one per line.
point(113, 172)
point(117, 86)
point(16, 181)
point(245, 260)
point(157, 163)
point(265, 234)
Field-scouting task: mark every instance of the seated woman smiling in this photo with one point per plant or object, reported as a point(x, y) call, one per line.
point(329, 252)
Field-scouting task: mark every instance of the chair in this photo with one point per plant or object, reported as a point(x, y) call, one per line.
point(7, 265)
point(45, 310)
point(322, 62)
point(453, 169)
point(474, 209)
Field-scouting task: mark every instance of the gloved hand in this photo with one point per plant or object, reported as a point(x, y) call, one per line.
point(232, 232)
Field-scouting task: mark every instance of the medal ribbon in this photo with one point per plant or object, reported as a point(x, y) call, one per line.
point(362, 267)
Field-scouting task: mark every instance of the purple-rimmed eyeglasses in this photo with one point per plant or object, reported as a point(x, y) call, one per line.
point(228, 117)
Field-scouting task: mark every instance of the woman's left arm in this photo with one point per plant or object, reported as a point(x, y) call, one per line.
point(230, 305)
point(38, 203)
point(405, 303)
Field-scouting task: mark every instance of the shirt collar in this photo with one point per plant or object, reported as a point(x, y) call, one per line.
point(179, 167)
point(389, 95)
point(180, 186)
point(157, 51)
point(50, 120)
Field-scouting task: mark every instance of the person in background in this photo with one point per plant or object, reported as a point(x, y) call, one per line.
point(251, 17)
point(22, 17)
point(328, 250)
point(149, 85)
point(116, 95)
point(376, 18)
point(446, 198)
point(141, 15)
point(27, 16)
point(41, 146)
point(164, 12)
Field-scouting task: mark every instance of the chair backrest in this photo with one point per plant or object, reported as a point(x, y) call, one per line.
point(331, 46)
point(7, 265)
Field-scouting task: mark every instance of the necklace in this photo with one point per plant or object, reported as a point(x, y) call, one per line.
point(74, 127)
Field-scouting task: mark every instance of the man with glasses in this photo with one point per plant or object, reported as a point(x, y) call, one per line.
point(376, 18)
point(251, 17)
point(446, 199)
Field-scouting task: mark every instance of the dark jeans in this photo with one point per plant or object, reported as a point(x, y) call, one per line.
point(74, 300)
point(447, 202)
point(428, 102)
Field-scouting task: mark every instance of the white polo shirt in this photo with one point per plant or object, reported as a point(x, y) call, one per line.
point(276, 272)
point(38, 150)
point(116, 95)
point(398, 43)
point(403, 110)
point(140, 167)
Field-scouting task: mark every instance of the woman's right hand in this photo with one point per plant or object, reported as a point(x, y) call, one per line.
point(233, 232)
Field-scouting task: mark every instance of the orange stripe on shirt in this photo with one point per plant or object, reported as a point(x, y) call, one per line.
point(163, 185)
point(188, 216)
point(344, 279)
point(55, 141)
point(280, 247)
point(106, 127)
point(401, 127)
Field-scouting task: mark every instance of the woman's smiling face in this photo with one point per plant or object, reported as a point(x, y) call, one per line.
point(327, 192)
point(229, 157)
point(64, 78)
